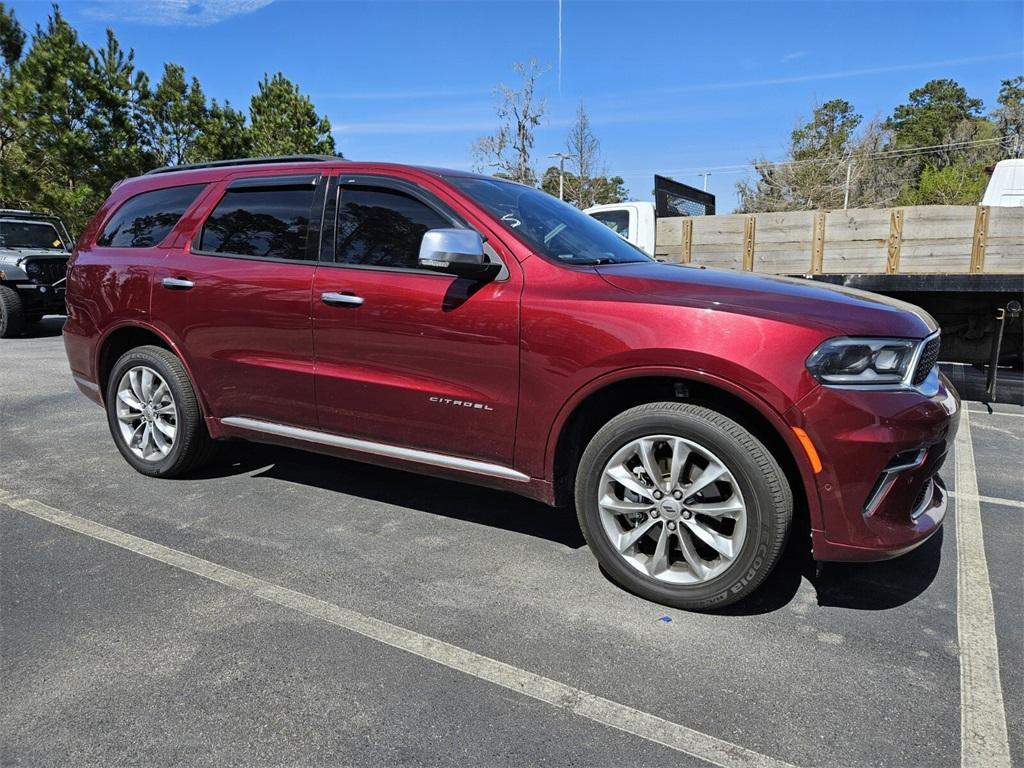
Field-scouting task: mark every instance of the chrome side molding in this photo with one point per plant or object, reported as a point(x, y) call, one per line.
point(413, 455)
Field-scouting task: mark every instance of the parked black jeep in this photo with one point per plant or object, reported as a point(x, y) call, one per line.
point(34, 252)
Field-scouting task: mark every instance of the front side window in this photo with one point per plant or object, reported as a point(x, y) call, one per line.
point(616, 221)
point(146, 219)
point(268, 223)
point(548, 226)
point(382, 227)
point(29, 234)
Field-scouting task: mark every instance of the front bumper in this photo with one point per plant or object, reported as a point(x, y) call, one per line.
point(41, 296)
point(881, 452)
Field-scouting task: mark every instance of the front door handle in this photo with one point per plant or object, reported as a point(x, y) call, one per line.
point(177, 283)
point(341, 299)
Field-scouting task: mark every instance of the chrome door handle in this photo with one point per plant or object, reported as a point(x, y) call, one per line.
point(341, 299)
point(177, 283)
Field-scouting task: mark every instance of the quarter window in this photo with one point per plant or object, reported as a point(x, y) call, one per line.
point(269, 223)
point(146, 219)
point(382, 227)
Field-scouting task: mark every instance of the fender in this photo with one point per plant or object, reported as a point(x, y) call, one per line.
point(775, 419)
point(166, 338)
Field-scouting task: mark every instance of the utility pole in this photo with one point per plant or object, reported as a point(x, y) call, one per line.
point(705, 175)
point(846, 192)
point(561, 172)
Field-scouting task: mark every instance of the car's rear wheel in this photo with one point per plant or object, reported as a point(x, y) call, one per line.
point(154, 415)
point(12, 313)
point(683, 505)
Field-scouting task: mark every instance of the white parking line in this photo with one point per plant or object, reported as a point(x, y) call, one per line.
point(984, 412)
point(983, 738)
point(624, 718)
point(988, 500)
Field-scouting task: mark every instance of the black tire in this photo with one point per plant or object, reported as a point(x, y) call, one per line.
point(766, 493)
point(12, 313)
point(192, 446)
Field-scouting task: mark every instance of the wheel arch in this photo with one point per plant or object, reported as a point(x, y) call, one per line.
point(594, 405)
point(118, 340)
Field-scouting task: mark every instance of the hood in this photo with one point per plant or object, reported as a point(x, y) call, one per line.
point(844, 311)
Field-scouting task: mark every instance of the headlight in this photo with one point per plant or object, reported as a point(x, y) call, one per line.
point(862, 361)
point(32, 269)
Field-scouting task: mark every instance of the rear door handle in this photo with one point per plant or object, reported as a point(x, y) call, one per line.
point(177, 283)
point(341, 299)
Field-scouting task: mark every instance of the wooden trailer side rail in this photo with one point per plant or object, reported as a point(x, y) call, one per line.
point(915, 240)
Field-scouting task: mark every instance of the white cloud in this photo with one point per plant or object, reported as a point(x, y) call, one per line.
point(793, 56)
point(172, 13)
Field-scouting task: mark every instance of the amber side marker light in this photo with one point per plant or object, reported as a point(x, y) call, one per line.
point(812, 454)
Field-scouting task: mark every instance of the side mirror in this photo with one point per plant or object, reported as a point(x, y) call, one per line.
point(458, 252)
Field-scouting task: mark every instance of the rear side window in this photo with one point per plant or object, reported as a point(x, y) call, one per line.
point(146, 219)
point(269, 223)
point(382, 227)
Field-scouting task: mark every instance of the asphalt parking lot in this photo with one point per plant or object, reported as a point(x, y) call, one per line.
point(289, 609)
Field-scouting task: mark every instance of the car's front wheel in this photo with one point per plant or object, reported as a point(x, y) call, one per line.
point(12, 313)
point(683, 505)
point(154, 414)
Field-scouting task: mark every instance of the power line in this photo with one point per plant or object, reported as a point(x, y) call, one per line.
point(903, 152)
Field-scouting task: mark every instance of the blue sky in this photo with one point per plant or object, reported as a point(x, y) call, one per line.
point(672, 87)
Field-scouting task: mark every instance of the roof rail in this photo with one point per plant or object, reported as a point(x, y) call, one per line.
point(245, 161)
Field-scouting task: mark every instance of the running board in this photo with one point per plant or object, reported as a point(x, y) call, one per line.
point(377, 449)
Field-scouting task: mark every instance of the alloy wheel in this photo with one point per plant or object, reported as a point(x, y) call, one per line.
point(146, 413)
point(672, 509)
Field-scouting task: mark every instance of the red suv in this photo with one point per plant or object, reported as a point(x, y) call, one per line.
point(466, 326)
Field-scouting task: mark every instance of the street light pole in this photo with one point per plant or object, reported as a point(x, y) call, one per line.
point(705, 175)
point(561, 172)
point(846, 192)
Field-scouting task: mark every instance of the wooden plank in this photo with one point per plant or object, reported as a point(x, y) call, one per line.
point(718, 241)
point(749, 228)
point(1004, 242)
point(895, 240)
point(978, 240)
point(937, 239)
point(668, 238)
point(857, 241)
point(783, 242)
point(818, 243)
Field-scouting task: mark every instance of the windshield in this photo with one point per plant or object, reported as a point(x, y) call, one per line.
point(552, 228)
point(29, 234)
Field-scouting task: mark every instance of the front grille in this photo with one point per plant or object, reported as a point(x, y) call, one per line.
point(46, 271)
point(927, 361)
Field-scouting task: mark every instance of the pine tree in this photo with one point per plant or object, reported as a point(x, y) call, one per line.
point(179, 116)
point(284, 122)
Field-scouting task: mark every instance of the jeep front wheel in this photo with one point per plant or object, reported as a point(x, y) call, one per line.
point(682, 505)
point(12, 313)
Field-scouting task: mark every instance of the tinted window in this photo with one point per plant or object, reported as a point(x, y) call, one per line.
point(381, 227)
point(616, 221)
point(550, 227)
point(269, 223)
point(145, 220)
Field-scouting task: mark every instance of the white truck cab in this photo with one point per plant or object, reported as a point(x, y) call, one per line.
point(1006, 187)
point(634, 221)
